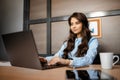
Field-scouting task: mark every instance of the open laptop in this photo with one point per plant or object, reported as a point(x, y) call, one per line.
point(22, 51)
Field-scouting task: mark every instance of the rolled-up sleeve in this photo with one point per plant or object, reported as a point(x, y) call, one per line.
point(89, 57)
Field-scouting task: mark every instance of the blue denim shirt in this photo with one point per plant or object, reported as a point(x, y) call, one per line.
point(79, 61)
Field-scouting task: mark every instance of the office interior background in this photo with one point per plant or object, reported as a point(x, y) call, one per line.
point(48, 21)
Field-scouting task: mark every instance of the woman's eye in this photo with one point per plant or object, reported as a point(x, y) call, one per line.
point(77, 22)
point(71, 24)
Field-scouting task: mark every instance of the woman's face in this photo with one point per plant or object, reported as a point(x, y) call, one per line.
point(76, 26)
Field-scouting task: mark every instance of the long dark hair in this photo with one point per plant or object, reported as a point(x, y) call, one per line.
point(85, 33)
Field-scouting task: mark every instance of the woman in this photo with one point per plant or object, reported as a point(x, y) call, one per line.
point(80, 48)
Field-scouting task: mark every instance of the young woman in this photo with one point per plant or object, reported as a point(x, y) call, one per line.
point(80, 48)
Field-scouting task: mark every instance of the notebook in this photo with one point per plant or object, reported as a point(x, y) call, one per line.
point(22, 51)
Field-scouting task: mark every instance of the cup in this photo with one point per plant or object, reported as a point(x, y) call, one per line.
point(107, 58)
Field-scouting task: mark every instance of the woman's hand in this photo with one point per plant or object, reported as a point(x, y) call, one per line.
point(42, 59)
point(56, 60)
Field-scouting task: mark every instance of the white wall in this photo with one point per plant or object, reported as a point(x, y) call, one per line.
point(11, 16)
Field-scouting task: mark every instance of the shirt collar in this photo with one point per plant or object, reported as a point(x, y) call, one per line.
point(79, 39)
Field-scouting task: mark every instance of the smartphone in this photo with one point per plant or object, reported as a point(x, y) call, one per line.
point(87, 75)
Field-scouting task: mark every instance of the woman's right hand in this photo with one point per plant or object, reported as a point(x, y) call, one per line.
point(42, 59)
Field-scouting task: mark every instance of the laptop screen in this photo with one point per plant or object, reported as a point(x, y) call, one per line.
point(21, 48)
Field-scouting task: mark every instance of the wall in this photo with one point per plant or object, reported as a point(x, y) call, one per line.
point(11, 19)
point(110, 24)
point(67, 7)
point(110, 40)
point(11, 16)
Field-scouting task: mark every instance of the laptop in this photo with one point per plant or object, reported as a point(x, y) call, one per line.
point(22, 51)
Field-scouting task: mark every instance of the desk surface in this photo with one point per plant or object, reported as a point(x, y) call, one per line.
point(17, 73)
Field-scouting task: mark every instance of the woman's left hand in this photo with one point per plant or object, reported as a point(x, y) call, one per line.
point(56, 60)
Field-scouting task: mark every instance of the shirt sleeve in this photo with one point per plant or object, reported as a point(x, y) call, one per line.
point(89, 57)
point(59, 53)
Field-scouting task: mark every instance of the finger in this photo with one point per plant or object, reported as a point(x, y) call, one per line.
point(52, 63)
point(42, 59)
